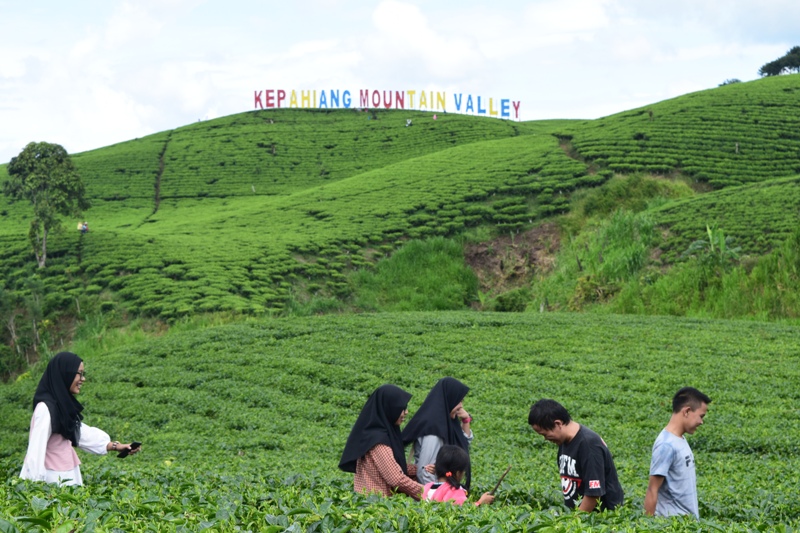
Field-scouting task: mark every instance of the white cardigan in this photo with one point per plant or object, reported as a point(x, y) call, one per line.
point(92, 440)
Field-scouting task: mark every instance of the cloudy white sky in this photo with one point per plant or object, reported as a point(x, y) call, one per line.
point(89, 73)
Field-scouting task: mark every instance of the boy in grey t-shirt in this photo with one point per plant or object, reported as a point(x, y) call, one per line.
point(673, 487)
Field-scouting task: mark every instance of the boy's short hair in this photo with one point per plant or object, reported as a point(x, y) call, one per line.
point(689, 396)
point(545, 412)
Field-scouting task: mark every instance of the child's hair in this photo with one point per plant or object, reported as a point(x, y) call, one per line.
point(450, 460)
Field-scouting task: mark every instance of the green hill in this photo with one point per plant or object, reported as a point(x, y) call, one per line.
point(251, 212)
point(730, 135)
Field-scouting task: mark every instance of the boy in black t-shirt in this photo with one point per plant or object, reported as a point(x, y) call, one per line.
point(584, 462)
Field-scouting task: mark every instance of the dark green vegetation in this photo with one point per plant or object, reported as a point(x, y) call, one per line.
point(789, 62)
point(44, 177)
point(243, 424)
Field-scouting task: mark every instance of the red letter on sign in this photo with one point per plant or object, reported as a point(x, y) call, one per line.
point(258, 103)
point(516, 108)
point(364, 98)
point(281, 96)
point(269, 98)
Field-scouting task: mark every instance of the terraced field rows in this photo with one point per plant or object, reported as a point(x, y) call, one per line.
point(739, 133)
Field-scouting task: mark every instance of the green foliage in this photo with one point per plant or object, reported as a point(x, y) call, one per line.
point(243, 423)
point(515, 300)
point(759, 217)
point(714, 255)
point(592, 267)
point(713, 284)
point(43, 175)
point(633, 193)
point(787, 63)
point(424, 275)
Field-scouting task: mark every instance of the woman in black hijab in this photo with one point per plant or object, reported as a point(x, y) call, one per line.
point(56, 426)
point(374, 449)
point(440, 420)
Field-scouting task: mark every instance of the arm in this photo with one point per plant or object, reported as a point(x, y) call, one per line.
point(392, 474)
point(651, 497)
point(94, 440)
point(97, 441)
point(34, 468)
point(660, 464)
point(466, 420)
point(588, 504)
point(485, 498)
point(429, 447)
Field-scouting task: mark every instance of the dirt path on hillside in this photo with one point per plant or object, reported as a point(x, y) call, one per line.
point(508, 262)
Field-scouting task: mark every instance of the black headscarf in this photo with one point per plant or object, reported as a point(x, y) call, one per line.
point(376, 425)
point(53, 390)
point(433, 417)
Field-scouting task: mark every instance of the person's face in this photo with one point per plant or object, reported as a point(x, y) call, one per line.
point(402, 417)
point(77, 383)
point(456, 409)
point(554, 435)
point(693, 419)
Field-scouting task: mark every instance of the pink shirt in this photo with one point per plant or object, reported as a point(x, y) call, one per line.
point(445, 492)
point(59, 455)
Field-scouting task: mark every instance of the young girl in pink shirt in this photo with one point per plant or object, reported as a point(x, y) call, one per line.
point(451, 464)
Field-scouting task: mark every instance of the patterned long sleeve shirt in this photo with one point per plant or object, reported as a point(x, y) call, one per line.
point(378, 472)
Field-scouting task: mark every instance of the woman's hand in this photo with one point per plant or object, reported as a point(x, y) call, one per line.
point(431, 468)
point(115, 446)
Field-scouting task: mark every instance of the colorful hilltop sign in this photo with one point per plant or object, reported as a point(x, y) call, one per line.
point(374, 99)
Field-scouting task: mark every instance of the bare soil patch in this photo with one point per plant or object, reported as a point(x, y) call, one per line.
point(508, 262)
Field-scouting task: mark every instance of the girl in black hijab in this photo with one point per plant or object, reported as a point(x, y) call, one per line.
point(57, 427)
point(440, 420)
point(374, 449)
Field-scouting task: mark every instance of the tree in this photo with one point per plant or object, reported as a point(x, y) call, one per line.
point(788, 63)
point(44, 175)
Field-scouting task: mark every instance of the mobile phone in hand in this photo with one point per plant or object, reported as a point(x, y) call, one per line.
point(124, 453)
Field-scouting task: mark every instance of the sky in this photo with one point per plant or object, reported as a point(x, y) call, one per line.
point(90, 73)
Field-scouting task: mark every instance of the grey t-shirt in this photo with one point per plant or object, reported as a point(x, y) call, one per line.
point(425, 451)
point(674, 461)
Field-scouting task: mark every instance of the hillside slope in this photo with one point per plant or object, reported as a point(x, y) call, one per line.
point(239, 212)
point(730, 135)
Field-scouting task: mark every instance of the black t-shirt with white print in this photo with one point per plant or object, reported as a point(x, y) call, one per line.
point(587, 469)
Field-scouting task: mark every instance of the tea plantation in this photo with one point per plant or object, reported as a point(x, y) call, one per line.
point(244, 216)
point(730, 135)
point(243, 424)
point(246, 213)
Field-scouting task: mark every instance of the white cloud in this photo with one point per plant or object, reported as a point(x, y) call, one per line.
point(88, 78)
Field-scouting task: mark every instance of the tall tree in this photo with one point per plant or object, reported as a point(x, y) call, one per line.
point(45, 175)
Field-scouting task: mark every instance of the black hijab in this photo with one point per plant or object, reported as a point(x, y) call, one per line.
point(53, 390)
point(376, 425)
point(433, 417)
